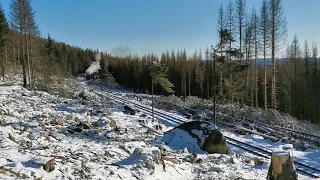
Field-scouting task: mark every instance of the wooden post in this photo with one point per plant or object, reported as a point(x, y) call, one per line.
point(282, 165)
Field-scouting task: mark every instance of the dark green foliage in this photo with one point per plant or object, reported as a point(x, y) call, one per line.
point(158, 73)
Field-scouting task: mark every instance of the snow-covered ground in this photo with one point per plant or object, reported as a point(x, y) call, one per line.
point(93, 138)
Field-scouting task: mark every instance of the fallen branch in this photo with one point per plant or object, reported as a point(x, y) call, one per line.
point(151, 129)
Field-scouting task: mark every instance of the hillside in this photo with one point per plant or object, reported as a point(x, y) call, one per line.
point(91, 137)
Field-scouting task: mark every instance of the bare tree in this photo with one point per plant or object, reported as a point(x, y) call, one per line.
point(221, 27)
point(240, 15)
point(207, 54)
point(278, 27)
point(306, 65)
point(248, 43)
point(4, 30)
point(255, 21)
point(315, 79)
point(295, 50)
point(22, 19)
point(315, 52)
point(264, 29)
point(230, 23)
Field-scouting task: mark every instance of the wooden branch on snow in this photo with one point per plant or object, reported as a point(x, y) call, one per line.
point(257, 133)
point(250, 131)
point(169, 159)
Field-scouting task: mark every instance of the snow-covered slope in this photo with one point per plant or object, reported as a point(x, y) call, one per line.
point(92, 138)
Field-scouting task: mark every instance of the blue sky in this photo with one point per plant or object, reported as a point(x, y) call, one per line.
point(144, 26)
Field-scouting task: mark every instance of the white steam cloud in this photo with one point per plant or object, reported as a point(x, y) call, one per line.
point(95, 66)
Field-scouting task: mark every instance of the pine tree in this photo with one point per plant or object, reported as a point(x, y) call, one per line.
point(158, 74)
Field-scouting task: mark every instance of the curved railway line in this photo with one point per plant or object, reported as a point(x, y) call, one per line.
point(265, 153)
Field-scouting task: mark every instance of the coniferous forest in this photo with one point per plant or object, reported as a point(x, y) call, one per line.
point(253, 63)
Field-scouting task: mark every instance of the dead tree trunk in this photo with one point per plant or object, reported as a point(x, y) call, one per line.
point(14, 53)
point(282, 167)
point(152, 100)
point(2, 59)
point(28, 60)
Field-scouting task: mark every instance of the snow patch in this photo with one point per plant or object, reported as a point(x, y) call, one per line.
point(179, 139)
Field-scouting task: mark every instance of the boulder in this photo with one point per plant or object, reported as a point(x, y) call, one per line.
point(189, 116)
point(197, 136)
point(130, 108)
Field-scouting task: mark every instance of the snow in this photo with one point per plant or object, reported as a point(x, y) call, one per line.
point(180, 139)
point(130, 106)
point(30, 136)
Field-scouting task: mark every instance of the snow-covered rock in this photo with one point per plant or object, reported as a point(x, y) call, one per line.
point(197, 137)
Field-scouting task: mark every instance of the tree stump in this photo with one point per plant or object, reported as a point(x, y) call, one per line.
point(282, 165)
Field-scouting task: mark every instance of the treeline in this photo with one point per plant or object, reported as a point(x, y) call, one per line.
point(290, 84)
point(299, 80)
point(229, 70)
point(43, 60)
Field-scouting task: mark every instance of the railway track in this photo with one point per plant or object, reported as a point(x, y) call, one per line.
point(299, 134)
point(265, 153)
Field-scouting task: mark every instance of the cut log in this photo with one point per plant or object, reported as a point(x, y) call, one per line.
point(282, 166)
point(49, 166)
